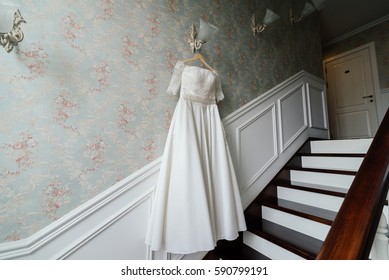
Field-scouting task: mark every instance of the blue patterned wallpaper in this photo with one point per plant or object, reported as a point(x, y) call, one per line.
point(82, 98)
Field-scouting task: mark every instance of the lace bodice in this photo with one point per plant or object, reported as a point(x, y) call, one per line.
point(195, 81)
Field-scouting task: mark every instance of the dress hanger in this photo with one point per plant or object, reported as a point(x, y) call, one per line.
point(198, 56)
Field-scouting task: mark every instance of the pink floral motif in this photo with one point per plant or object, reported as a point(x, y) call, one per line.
point(129, 49)
point(251, 44)
point(171, 60)
point(218, 50)
point(65, 107)
point(73, 30)
point(149, 150)
point(230, 79)
point(152, 84)
point(167, 119)
point(230, 33)
point(21, 153)
point(126, 114)
point(172, 6)
point(154, 25)
point(102, 73)
point(14, 236)
point(36, 61)
point(56, 195)
point(204, 17)
point(107, 7)
point(218, 7)
point(95, 152)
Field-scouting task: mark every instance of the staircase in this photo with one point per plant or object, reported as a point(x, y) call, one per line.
point(291, 217)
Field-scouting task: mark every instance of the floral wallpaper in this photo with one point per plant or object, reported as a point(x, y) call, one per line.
point(82, 97)
point(378, 34)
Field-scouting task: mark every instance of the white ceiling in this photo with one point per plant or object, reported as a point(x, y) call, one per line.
point(339, 17)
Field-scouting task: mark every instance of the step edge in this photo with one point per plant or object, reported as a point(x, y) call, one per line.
point(283, 243)
point(286, 184)
point(307, 216)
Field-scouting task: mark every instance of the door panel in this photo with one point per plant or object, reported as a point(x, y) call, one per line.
point(353, 125)
point(351, 96)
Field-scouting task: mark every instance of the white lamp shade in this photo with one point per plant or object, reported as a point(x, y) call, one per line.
point(270, 17)
point(7, 18)
point(308, 9)
point(319, 4)
point(206, 31)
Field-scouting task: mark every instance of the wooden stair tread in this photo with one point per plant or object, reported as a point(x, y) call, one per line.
point(296, 242)
point(327, 191)
point(241, 252)
point(320, 215)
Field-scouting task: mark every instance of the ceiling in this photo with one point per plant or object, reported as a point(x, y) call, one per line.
point(339, 17)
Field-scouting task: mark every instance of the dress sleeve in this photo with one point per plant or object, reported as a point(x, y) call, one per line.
point(219, 93)
point(175, 82)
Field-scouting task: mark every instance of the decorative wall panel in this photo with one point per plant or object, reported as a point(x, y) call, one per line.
point(317, 110)
point(257, 146)
point(292, 115)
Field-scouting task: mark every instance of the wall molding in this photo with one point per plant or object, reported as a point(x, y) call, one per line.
point(324, 106)
point(97, 223)
point(245, 109)
point(356, 31)
point(269, 109)
point(295, 90)
point(28, 246)
point(105, 225)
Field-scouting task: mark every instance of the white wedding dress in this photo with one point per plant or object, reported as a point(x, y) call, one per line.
point(197, 200)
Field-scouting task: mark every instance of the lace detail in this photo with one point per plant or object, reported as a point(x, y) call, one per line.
point(196, 81)
point(218, 90)
point(175, 82)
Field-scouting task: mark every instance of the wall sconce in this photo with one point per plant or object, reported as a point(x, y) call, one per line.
point(269, 18)
point(307, 10)
point(196, 40)
point(10, 32)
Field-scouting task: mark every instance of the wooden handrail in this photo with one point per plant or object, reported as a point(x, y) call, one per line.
point(353, 230)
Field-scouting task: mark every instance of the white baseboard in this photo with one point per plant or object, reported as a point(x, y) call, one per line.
point(262, 137)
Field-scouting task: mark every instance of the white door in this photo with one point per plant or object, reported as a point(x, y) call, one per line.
point(351, 94)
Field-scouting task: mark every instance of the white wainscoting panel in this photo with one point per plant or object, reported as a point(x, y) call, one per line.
point(253, 160)
point(317, 108)
point(128, 233)
point(292, 115)
point(126, 204)
point(267, 131)
point(262, 136)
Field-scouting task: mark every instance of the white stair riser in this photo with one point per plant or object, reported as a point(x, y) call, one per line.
point(267, 248)
point(324, 179)
point(323, 201)
point(335, 163)
point(305, 226)
point(354, 146)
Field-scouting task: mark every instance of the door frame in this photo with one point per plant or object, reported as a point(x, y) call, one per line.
point(374, 68)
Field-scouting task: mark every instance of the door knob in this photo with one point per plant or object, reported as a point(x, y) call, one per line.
point(368, 96)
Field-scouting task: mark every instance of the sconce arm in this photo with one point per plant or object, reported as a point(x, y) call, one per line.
point(10, 39)
point(257, 28)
